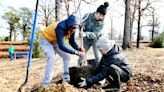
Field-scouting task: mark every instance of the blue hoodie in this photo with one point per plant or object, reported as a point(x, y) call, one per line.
point(62, 30)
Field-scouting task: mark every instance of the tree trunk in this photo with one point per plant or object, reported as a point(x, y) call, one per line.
point(153, 27)
point(139, 19)
point(14, 35)
point(10, 35)
point(131, 27)
point(131, 31)
point(132, 20)
point(24, 32)
point(126, 38)
point(67, 6)
point(46, 22)
point(11, 32)
point(57, 10)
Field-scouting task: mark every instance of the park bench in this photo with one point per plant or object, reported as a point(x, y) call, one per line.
point(20, 54)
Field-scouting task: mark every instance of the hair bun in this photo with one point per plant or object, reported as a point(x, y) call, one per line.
point(106, 4)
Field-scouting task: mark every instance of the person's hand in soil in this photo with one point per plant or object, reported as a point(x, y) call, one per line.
point(83, 83)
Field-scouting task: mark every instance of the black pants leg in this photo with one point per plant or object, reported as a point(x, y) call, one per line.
point(116, 76)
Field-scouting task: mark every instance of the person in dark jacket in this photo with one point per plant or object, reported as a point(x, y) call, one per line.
point(113, 66)
point(92, 26)
point(52, 41)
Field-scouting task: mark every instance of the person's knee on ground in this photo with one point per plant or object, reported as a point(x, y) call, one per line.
point(114, 77)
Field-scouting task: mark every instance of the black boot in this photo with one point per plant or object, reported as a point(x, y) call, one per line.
point(114, 82)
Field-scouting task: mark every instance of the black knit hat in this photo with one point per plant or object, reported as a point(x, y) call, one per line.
point(103, 8)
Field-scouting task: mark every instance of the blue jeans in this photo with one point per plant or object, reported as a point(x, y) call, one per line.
point(11, 56)
point(50, 50)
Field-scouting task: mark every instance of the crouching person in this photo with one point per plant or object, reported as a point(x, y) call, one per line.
point(113, 66)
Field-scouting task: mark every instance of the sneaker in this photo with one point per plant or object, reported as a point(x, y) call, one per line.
point(59, 81)
point(66, 79)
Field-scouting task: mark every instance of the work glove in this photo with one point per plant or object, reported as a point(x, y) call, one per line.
point(82, 49)
point(80, 54)
point(83, 83)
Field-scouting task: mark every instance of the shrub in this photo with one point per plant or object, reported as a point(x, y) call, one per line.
point(158, 41)
point(37, 52)
point(7, 38)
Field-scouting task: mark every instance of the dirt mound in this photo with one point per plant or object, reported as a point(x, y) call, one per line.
point(65, 87)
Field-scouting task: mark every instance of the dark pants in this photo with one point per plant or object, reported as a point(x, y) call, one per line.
point(11, 56)
point(116, 76)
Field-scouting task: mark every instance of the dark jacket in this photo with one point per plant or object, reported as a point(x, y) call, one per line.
point(114, 56)
point(62, 30)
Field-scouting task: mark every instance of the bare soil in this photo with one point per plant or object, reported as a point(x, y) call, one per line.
point(147, 66)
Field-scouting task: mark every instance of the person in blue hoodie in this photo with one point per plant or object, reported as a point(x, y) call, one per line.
point(52, 41)
point(92, 26)
point(113, 66)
